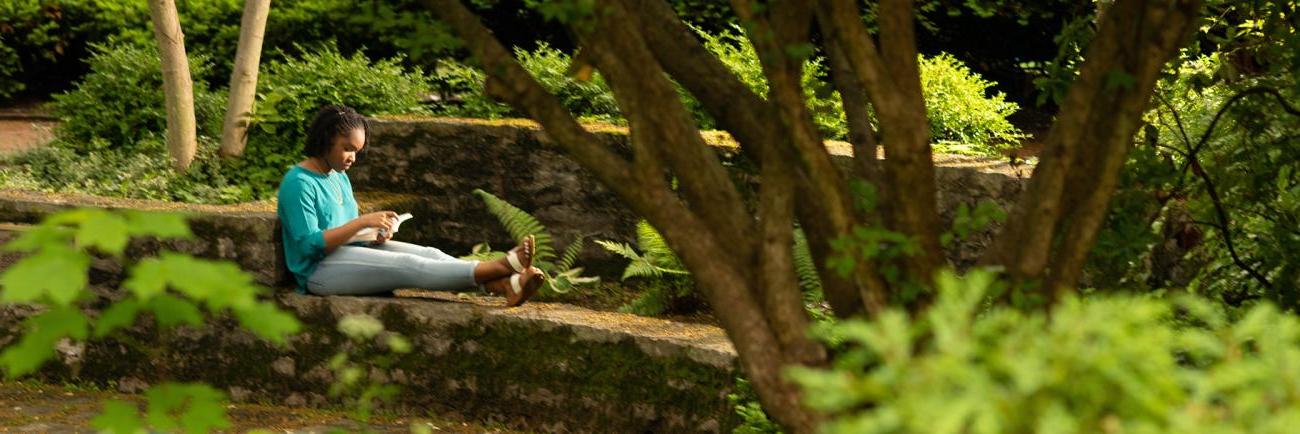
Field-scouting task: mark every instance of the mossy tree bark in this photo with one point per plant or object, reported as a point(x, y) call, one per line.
point(243, 79)
point(741, 261)
point(182, 140)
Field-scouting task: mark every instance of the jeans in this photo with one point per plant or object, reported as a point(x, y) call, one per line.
point(362, 270)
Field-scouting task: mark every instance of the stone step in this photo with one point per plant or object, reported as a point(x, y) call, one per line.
point(540, 366)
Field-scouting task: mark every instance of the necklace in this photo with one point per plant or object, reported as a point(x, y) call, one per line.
point(338, 192)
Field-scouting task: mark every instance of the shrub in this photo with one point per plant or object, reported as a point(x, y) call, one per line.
point(590, 99)
point(130, 174)
point(962, 118)
point(290, 93)
point(120, 104)
point(1105, 364)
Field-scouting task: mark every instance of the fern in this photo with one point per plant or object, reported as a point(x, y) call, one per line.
point(571, 252)
point(520, 224)
point(804, 266)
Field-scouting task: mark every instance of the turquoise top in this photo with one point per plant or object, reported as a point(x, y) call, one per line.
point(309, 204)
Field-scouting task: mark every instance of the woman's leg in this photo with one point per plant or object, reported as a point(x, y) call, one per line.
point(352, 270)
point(485, 271)
point(415, 249)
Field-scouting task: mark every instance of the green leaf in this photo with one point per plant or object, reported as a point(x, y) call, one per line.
point(265, 320)
point(120, 314)
point(148, 278)
point(519, 224)
point(194, 408)
point(171, 310)
point(38, 237)
point(56, 273)
point(37, 342)
point(103, 230)
point(158, 224)
point(119, 417)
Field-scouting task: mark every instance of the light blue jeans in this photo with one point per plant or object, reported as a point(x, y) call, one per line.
point(362, 270)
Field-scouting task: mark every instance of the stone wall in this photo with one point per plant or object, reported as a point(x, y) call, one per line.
point(544, 367)
point(443, 160)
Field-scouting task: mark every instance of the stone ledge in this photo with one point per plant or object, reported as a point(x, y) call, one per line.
point(548, 367)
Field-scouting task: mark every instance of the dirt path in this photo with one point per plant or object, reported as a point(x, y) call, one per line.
point(20, 134)
point(34, 407)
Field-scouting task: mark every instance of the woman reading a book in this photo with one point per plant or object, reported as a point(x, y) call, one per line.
point(319, 221)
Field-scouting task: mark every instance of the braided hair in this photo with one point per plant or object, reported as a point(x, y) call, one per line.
point(332, 121)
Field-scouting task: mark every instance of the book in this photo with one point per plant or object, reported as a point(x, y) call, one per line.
point(372, 234)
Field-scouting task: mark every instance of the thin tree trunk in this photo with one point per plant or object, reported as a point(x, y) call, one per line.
point(243, 79)
point(179, 90)
point(1054, 224)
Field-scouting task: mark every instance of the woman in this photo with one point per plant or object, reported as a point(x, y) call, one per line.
point(318, 215)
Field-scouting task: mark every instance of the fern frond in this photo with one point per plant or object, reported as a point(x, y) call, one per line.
point(571, 252)
point(804, 265)
point(641, 268)
point(655, 248)
point(620, 249)
point(519, 224)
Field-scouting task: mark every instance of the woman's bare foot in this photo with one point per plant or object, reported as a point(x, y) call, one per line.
point(517, 288)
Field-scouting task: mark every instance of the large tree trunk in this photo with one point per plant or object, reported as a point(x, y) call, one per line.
point(741, 262)
point(243, 79)
point(179, 90)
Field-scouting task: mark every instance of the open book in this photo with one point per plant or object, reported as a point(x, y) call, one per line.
point(372, 234)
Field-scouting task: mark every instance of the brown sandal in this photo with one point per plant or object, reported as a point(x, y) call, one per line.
point(520, 258)
point(517, 288)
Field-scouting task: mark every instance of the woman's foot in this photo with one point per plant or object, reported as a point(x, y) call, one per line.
point(517, 288)
point(520, 258)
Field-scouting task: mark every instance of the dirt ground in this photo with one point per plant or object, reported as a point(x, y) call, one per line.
point(20, 134)
point(34, 407)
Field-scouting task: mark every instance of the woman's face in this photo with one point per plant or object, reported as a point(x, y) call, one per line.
point(344, 151)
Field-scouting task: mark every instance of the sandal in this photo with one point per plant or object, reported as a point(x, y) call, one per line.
point(526, 249)
point(518, 287)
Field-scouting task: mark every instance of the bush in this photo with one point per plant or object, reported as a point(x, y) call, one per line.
point(1105, 364)
point(591, 99)
point(130, 174)
point(962, 118)
point(290, 92)
point(120, 104)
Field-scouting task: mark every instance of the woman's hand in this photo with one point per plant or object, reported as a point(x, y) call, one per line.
point(382, 220)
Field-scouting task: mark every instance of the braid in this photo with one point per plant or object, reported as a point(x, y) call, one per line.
point(332, 121)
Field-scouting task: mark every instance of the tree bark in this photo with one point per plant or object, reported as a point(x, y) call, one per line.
point(182, 142)
point(243, 79)
point(1065, 202)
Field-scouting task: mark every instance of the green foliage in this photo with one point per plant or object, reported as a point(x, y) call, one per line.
point(735, 51)
point(968, 221)
point(590, 99)
point(752, 418)
point(111, 142)
point(370, 351)
point(120, 104)
point(171, 286)
point(1105, 364)
point(562, 274)
point(291, 91)
point(131, 174)
point(962, 117)
point(668, 284)
point(46, 40)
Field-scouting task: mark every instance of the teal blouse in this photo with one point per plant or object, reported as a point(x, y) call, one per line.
point(310, 203)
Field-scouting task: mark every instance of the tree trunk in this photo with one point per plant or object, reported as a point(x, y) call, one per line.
point(742, 264)
point(179, 90)
point(243, 79)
